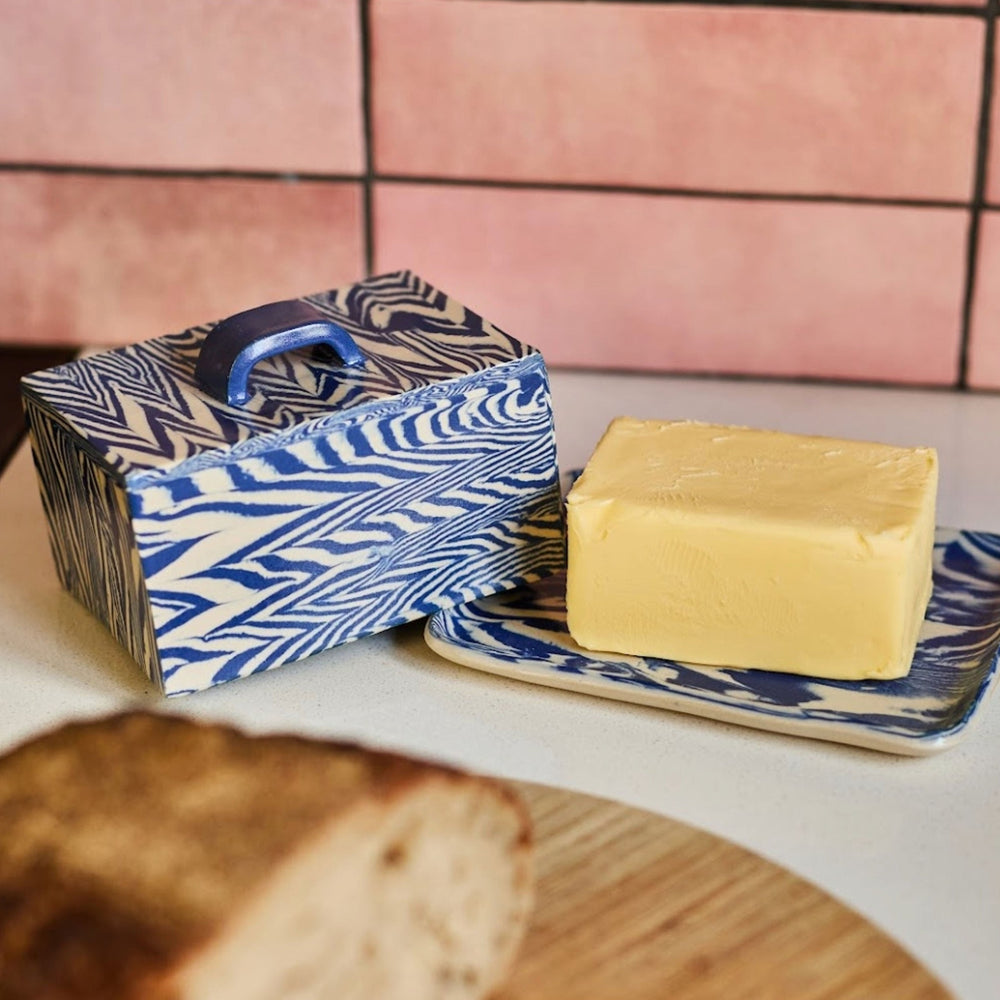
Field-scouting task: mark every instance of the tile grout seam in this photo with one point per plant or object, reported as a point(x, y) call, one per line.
point(978, 202)
point(368, 180)
point(372, 177)
point(586, 187)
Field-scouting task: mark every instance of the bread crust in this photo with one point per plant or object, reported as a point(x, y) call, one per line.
point(126, 843)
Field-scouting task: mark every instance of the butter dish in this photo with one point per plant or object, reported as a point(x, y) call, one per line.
point(523, 635)
point(248, 493)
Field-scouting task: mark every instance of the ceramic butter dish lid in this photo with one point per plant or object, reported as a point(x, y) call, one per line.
point(309, 472)
point(143, 408)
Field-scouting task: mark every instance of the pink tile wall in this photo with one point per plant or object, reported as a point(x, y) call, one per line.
point(266, 85)
point(120, 259)
point(678, 96)
point(706, 284)
point(984, 343)
point(859, 128)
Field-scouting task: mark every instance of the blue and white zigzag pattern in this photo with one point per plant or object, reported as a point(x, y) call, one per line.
point(140, 410)
point(366, 503)
point(90, 534)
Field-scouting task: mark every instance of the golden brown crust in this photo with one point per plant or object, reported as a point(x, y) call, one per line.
point(125, 843)
point(66, 941)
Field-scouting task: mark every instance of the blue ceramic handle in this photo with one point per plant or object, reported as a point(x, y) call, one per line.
point(236, 344)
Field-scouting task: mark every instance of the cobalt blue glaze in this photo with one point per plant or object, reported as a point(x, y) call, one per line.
point(236, 344)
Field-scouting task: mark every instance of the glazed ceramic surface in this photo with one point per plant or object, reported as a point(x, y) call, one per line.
point(523, 635)
point(217, 540)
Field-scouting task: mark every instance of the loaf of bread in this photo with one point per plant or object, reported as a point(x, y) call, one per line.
point(145, 857)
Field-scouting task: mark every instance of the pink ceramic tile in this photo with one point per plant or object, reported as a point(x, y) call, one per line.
point(984, 333)
point(120, 259)
point(993, 160)
point(698, 284)
point(267, 85)
point(666, 95)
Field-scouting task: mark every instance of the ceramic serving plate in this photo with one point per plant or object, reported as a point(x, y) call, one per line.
point(522, 634)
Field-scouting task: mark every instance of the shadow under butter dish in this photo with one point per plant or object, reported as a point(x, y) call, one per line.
point(751, 548)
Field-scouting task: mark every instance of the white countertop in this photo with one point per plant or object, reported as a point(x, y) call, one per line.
point(910, 842)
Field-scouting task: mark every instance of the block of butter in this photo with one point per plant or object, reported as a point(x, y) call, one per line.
point(752, 548)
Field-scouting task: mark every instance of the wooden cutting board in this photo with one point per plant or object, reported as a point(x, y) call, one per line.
point(633, 906)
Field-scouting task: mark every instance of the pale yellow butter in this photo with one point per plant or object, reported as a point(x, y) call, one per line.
point(750, 548)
